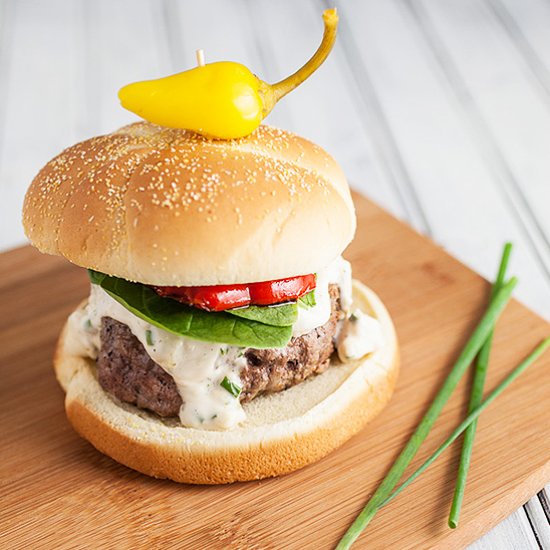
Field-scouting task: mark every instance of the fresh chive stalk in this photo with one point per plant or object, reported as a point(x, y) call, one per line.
point(479, 336)
point(476, 397)
point(149, 337)
point(234, 389)
point(472, 417)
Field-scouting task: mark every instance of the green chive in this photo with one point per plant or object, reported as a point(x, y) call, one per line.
point(471, 418)
point(88, 324)
point(476, 397)
point(234, 389)
point(480, 334)
point(149, 337)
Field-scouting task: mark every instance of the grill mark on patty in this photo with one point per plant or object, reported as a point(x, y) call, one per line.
point(125, 370)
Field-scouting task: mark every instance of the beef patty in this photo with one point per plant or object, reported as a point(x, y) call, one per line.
point(125, 370)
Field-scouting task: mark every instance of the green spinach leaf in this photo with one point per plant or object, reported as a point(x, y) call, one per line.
point(307, 300)
point(283, 315)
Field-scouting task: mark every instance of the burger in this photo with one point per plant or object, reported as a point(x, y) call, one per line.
point(223, 338)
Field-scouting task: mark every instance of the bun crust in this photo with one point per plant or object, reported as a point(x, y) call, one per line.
point(283, 432)
point(169, 207)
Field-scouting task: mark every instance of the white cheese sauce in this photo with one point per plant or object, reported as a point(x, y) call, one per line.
point(198, 368)
point(360, 334)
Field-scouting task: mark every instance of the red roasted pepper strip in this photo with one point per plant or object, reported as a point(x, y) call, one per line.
point(222, 297)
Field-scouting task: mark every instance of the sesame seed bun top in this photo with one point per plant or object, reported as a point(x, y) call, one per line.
point(169, 207)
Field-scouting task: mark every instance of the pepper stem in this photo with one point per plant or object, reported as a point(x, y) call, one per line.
point(273, 92)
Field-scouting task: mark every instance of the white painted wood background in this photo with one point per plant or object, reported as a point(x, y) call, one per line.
point(439, 110)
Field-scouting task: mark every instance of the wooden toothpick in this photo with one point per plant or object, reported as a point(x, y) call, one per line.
point(200, 58)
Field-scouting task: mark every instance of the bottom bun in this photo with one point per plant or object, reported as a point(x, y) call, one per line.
point(283, 432)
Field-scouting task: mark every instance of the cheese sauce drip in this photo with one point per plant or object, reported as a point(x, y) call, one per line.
point(198, 368)
point(359, 334)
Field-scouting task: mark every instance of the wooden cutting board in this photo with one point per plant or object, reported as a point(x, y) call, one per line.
point(59, 492)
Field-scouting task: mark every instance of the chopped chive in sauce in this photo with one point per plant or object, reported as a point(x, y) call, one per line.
point(88, 324)
point(223, 351)
point(234, 389)
point(149, 337)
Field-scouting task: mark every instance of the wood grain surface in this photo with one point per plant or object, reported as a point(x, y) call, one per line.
point(58, 492)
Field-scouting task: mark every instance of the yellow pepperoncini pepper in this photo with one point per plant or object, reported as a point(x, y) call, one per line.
point(220, 100)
